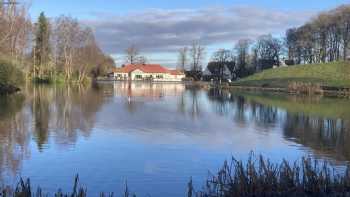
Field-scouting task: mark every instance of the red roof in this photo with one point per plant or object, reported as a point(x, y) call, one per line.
point(147, 68)
point(153, 68)
point(175, 72)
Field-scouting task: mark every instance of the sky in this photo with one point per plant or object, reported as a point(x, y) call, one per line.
point(160, 27)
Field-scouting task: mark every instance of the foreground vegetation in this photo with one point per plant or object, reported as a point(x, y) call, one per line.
point(255, 177)
point(335, 74)
point(260, 177)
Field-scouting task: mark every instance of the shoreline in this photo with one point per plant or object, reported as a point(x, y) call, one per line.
point(6, 89)
point(328, 91)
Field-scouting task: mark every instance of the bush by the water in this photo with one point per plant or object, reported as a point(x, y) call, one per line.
point(304, 88)
point(256, 177)
point(10, 76)
point(10, 72)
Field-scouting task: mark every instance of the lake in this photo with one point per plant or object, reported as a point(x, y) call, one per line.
point(157, 136)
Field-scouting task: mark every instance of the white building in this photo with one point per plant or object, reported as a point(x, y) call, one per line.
point(147, 72)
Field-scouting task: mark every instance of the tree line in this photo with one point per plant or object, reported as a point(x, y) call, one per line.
point(50, 49)
point(323, 39)
point(246, 58)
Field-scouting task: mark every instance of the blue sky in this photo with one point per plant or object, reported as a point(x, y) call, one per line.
point(160, 27)
point(83, 8)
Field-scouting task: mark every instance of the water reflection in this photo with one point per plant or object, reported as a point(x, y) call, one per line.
point(14, 135)
point(325, 136)
point(309, 125)
point(63, 112)
point(136, 94)
point(180, 118)
point(244, 111)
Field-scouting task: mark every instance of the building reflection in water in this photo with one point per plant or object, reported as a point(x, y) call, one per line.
point(147, 91)
point(135, 94)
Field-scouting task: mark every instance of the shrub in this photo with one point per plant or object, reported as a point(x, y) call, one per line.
point(305, 88)
point(10, 74)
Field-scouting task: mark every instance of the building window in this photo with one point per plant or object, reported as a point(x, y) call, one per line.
point(159, 76)
point(138, 76)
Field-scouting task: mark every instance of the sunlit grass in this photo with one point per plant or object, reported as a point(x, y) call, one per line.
point(336, 74)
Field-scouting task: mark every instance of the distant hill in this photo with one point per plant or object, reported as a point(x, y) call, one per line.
point(335, 74)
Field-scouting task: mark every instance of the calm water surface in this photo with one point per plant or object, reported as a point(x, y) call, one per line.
point(157, 136)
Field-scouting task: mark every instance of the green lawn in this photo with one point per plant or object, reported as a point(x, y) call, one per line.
point(336, 74)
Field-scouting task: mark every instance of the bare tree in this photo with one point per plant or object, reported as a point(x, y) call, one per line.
point(242, 51)
point(141, 60)
point(132, 54)
point(197, 55)
point(269, 49)
point(14, 29)
point(183, 58)
point(323, 39)
point(342, 16)
point(67, 35)
point(222, 58)
point(88, 54)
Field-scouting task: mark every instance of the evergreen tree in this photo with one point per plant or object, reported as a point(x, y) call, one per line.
point(42, 45)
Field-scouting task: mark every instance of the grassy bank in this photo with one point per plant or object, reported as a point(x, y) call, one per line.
point(333, 76)
point(255, 177)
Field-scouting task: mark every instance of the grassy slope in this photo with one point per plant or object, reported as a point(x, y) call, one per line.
point(335, 74)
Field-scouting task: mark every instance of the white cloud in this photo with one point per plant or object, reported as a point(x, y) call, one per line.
point(159, 30)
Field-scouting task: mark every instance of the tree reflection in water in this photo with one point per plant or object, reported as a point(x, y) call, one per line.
point(325, 136)
point(69, 110)
point(63, 112)
point(311, 128)
point(243, 110)
point(14, 135)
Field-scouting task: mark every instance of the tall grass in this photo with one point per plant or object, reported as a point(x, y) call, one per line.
point(255, 177)
point(24, 189)
point(304, 88)
point(260, 177)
